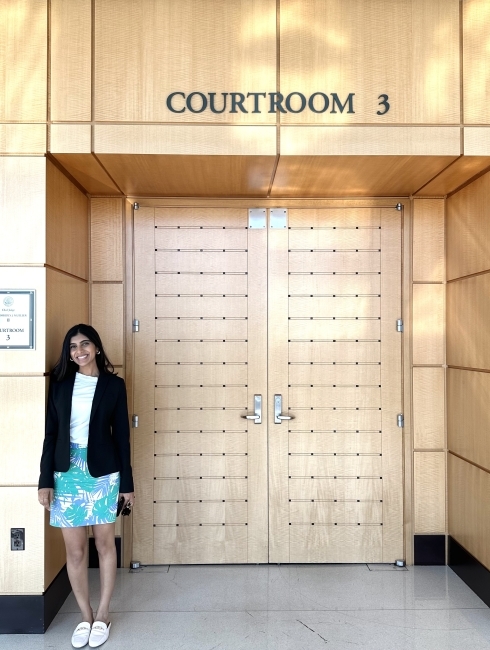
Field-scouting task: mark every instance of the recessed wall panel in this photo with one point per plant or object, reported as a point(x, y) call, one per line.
point(429, 475)
point(428, 324)
point(428, 240)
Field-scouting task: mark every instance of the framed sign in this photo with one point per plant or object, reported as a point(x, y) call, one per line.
point(17, 319)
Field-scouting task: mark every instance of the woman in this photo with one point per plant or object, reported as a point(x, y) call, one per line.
point(86, 467)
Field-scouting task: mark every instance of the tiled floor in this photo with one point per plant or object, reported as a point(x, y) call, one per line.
point(288, 607)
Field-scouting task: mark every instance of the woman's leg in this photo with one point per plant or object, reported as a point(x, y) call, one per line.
point(76, 562)
point(106, 547)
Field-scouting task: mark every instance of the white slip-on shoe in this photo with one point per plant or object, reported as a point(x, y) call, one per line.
point(81, 635)
point(99, 634)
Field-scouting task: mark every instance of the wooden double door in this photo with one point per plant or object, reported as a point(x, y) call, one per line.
point(298, 305)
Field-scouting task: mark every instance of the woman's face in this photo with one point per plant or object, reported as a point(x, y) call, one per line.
point(82, 352)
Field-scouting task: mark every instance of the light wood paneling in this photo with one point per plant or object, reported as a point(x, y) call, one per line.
point(428, 324)
point(23, 138)
point(23, 201)
point(23, 413)
point(326, 543)
point(428, 240)
point(428, 408)
point(468, 229)
point(67, 303)
point(86, 169)
point(186, 140)
point(107, 318)
point(455, 175)
point(106, 239)
point(13, 362)
point(468, 415)
point(429, 477)
point(54, 552)
point(140, 49)
point(71, 60)
point(370, 141)
point(22, 572)
point(469, 507)
point(477, 141)
point(476, 74)
point(70, 138)
point(468, 314)
point(197, 175)
point(410, 47)
point(66, 224)
point(23, 64)
point(322, 176)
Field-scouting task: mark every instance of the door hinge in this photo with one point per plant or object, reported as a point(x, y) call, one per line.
point(399, 325)
point(136, 325)
point(136, 206)
point(135, 421)
point(398, 207)
point(400, 420)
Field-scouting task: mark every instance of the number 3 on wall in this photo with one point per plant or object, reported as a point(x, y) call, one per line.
point(384, 102)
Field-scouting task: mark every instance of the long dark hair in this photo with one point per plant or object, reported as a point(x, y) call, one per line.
point(65, 367)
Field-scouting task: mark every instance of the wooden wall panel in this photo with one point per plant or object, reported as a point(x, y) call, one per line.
point(141, 48)
point(430, 492)
point(476, 74)
point(428, 408)
point(71, 60)
point(410, 47)
point(67, 304)
point(106, 239)
point(23, 63)
point(23, 138)
point(468, 315)
point(22, 572)
point(428, 324)
point(70, 138)
point(477, 141)
point(23, 413)
point(468, 415)
point(468, 229)
point(469, 507)
point(107, 318)
point(66, 224)
point(23, 201)
point(428, 240)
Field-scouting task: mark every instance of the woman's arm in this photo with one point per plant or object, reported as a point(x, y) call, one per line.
point(120, 433)
point(46, 479)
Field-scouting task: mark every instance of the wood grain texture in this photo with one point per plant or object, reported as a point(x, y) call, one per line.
point(326, 543)
point(71, 60)
point(428, 408)
point(410, 48)
point(428, 324)
point(23, 64)
point(106, 240)
point(67, 303)
point(86, 169)
point(67, 217)
point(24, 407)
point(23, 138)
point(468, 416)
point(477, 141)
point(468, 229)
point(455, 175)
point(70, 138)
point(22, 573)
point(140, 50)
point(429, 478)
point(428, 240)
point(23, 181)
point(107, 318)
point(370, 141)
point(476, 24)
point(468, 314)
point(330, 176)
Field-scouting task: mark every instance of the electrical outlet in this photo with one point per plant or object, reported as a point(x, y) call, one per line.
point(17, 539)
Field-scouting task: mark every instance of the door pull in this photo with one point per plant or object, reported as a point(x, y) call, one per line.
point(257, 417)
point(278, 418)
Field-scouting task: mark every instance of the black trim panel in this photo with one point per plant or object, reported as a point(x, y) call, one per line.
point(470, 570)
point(429, 550)
point(93, 556)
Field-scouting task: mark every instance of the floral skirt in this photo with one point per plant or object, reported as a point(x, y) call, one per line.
point(81, 499)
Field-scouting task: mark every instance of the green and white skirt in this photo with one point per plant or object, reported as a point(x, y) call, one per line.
point(81, 499)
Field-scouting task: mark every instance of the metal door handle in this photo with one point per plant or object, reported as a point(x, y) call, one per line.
point(278, 418)
point(258, 410)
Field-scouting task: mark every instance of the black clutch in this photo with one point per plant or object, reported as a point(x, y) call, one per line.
point(123, 508)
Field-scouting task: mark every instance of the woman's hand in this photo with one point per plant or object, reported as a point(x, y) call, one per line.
point(128, 498)
point(45, 497)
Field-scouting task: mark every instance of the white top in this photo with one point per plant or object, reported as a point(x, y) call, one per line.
point(81, 407)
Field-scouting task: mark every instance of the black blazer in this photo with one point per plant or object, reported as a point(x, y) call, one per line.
point(108, 441)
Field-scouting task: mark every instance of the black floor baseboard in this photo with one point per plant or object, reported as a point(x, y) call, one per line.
point(429, 550)
point(470, 570)
point(34, 614)
point(93, 556)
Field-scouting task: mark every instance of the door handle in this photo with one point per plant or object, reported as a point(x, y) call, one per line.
point(258, 410)
point(278, 418)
